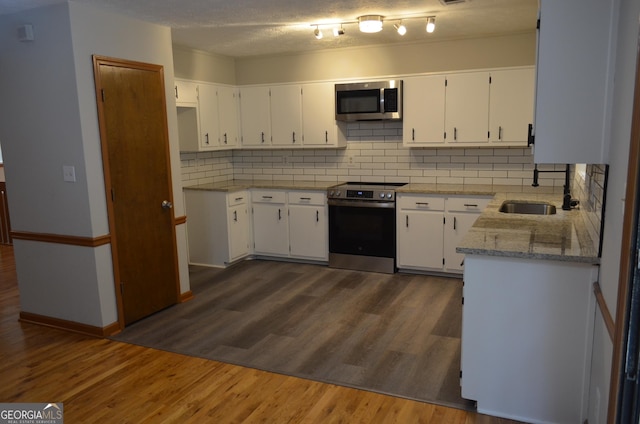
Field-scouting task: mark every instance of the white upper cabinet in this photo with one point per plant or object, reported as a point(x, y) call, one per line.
point(228, 116)
point(467, 108)
point(511, 106)
point(423, 110)
point(186, 92)
point(208, 109)
point(574, 82)
point(319, 126)
point(255, 116)
point(286, 115)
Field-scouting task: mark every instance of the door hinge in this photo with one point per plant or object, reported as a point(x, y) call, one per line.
point(113, 196)
point(102, 94)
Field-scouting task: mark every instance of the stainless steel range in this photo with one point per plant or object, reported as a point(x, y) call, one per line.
point(362, 226)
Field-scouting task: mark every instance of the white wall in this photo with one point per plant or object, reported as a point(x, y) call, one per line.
point(619, 156)
point(402, 59)
point(48, 118)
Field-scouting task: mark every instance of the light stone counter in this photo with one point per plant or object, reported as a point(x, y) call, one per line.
point(560, 237)
point(237, 185)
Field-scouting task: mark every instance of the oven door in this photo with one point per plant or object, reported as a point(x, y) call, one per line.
point(362, 228)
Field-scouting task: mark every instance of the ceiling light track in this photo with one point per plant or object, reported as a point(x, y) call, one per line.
point(371, 24)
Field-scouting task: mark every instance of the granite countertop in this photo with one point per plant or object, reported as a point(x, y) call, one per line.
point(237, 185)
point(560, 237)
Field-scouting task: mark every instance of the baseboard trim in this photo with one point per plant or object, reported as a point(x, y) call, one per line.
point(75, 327)
point(186, 296)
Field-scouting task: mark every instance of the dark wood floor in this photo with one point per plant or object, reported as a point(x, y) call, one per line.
point(395, 334)
point(101, 380)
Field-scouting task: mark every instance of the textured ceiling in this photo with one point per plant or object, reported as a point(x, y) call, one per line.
point(257, 27)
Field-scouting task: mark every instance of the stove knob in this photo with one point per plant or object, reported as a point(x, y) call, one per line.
point(331, 194)
point(390, 196)
point(338, 193)
point(382, 195)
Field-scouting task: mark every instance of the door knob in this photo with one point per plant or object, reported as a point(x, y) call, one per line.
point(167, 204)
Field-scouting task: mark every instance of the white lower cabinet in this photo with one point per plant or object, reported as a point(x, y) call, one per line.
point(270, 223)
point(460, 214)
point(429, 228)
point(308, 225)
point(527, 329)
point(217, 226)
point(290, 223)
point(419, 232)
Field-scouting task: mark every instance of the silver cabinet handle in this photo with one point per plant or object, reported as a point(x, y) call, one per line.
point(305, 198)
point(239, 198)
point(166, 204)
point(176, 91)
point(225, 138)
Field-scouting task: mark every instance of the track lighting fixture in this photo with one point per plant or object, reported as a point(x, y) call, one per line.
point(373, 24)
point(370, 23)
point(431, 24)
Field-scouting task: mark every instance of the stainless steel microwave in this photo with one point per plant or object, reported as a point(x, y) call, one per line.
point(369, 101)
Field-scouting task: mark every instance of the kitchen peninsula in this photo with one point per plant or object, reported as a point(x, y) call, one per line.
point(528, 312)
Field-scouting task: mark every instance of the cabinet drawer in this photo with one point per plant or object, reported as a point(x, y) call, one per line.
point(237, 198)
point(467, 204)
point(307, 197)
point(420, 202)
point(268, 196)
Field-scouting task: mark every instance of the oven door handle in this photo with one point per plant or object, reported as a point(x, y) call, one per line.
point(361, 204)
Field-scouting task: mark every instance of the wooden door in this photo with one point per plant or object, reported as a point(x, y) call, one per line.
point(135, 150)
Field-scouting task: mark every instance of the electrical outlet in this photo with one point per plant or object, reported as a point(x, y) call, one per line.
point(69, 173)
point(351, 161)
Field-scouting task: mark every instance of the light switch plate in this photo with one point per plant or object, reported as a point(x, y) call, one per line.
point(69, 173)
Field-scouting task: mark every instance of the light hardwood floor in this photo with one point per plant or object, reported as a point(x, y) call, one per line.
point(107, 381)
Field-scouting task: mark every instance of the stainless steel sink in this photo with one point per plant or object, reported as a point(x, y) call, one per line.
point(527, 207)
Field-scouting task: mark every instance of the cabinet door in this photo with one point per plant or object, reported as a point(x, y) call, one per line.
point(419, 236)
point(208, 109)
point(286, 115)
point(308, 231)
point(467, 108)
point(574, 81)
point(238, 232)
point(319, 126)
point(456, 227)
point(228, 116)
point(511, 106)
point(186, 93)
point(424, 104)
point(255, 116)
point(270, 229)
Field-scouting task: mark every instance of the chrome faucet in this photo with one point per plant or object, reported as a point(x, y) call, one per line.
point(567, 202)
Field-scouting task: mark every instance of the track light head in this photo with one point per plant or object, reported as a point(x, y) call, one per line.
point(431, 24)
point(402, 30)
point(318, 33)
